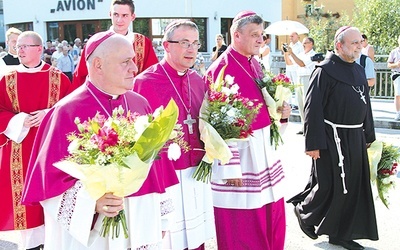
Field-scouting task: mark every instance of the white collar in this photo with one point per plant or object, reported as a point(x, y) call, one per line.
point(130, 35)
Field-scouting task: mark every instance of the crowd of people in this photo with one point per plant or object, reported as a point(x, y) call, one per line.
point(43, 90)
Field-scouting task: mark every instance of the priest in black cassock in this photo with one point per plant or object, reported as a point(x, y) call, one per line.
point(337, 200)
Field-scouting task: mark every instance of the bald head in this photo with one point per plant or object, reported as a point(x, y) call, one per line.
point(104, 49)
point(112, 70)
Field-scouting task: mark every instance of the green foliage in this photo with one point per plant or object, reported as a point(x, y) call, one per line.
point(322, 28)
point(379, 20)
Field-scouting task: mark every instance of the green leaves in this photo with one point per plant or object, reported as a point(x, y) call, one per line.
point(379, 20)
point(158, 132)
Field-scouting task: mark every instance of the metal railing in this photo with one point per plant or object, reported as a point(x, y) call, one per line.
point(383, 86)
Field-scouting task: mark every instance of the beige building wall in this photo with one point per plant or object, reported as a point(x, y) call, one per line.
point(295, 10)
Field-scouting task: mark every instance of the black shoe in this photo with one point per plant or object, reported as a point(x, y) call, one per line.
point(308, 230)
point(300, 133)
point(40, 247)
point(348, 244)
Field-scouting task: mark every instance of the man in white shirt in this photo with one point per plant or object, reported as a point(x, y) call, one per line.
point(296, 48)
point(304, 70)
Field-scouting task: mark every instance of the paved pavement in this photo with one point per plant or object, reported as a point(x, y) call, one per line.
point(297, 169)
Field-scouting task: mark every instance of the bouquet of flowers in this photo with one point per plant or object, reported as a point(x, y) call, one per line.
point(275, 89)
point(383, 160)
point(114, 154)
point(225, 115)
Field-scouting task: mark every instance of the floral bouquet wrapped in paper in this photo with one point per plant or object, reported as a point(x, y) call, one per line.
point(276, 90)
point(383, 160)
point(114, 154)
point(225, 115)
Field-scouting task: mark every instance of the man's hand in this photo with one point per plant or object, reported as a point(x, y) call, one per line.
point(234, 182)
point(34, 119)
point(314, 154)
point(109, 205)
point(285, 109)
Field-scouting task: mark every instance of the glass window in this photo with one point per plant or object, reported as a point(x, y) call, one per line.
point(70, 32)
point(225, 25)
point(202, 25)
point(88, 29)
point(21, 26)
point(142, 26)
point(105, 24)
point(52, 31)
point(154, 28)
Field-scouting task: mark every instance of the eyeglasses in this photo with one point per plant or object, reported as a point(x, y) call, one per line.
point(18, 47)
point(186, 44)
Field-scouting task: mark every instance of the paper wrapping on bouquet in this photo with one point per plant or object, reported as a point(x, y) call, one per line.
point(214, 145)
point(157, 133)
point(374, 156)
point(281, 94)
point(119, 180)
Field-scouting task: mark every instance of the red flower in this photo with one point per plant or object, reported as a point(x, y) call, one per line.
point(240, 123)
point(106, 137)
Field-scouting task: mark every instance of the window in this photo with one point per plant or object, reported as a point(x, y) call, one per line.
point(52, 31)
point(22, 26)
point(154, 28)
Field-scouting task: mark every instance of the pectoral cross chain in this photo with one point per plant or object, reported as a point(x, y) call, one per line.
point(189, 122)
point(360, 92)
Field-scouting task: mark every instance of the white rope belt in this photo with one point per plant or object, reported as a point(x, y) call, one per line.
point(339, 148)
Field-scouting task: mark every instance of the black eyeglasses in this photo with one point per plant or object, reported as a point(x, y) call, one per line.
point(186, 44)
point(18, 47)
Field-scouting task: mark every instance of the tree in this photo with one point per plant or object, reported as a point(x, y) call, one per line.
point(323, 26)
point(379, 20)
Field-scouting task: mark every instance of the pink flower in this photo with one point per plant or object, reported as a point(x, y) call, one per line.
point(217, 96)
point(100, 119)
point(106, 137)
point(132, 117)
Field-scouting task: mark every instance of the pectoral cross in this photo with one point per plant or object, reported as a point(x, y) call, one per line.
point(362, 97)
point(189, 122)
point(360, 92)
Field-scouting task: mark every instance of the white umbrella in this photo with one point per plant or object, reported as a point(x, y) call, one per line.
point(286, 27)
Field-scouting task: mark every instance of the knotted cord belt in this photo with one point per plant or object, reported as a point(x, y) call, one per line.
point(339, 148)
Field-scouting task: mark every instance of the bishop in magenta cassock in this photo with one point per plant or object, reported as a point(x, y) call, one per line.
point(173, 78)
point(26, 94)
point(73, 219)
point(248, 191)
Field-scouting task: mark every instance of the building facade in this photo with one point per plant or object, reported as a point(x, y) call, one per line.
point(297, 9)
point(69, 19)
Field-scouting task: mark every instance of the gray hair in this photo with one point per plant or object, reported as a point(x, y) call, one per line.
point(240, 23)
point(170, 29)
point(340, 34)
